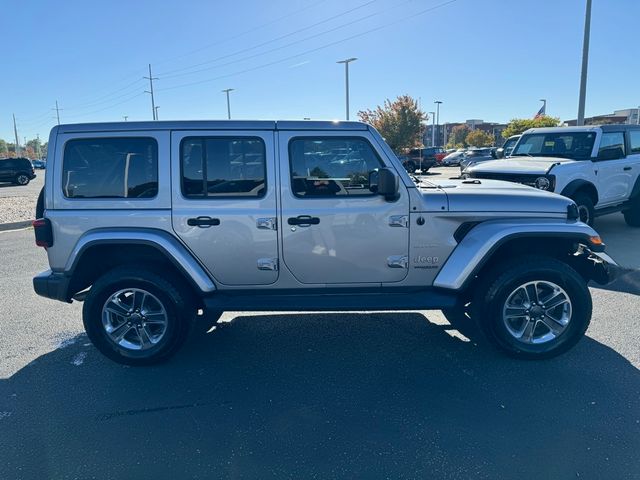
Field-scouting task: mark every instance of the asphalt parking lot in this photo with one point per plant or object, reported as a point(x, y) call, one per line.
point(358, 395)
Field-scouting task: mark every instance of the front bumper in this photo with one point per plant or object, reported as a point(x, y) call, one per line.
point(52, 285)
point(604, 269)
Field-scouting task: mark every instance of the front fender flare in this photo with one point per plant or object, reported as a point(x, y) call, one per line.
point(572, 187)
point(477, 246)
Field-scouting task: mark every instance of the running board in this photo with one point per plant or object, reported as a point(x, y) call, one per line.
point(417, 300)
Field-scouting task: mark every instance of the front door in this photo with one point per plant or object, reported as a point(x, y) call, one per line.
point(224, 203)
point(334, 228)
point(614, 174)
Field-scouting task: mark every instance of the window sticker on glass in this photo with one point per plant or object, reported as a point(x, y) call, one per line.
point(549, 144)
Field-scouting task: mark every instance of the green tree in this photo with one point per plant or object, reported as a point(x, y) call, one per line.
point(400, 122)
point(519, 125)
point(479, 138)
point(458, 136)
point(4, 151)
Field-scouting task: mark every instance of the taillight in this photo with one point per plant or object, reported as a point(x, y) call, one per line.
point(43, 231)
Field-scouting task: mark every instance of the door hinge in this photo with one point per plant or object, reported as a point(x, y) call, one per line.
point(268, 223)
point(398, 261)
point(268, 264)
point(399, 221)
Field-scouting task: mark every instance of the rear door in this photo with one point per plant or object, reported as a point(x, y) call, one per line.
point(334, 229)
point(224, 202)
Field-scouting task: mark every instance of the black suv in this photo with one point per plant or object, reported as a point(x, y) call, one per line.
point(417, 161)
point(16, 170)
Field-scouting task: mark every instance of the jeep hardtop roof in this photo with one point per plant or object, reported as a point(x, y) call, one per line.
point(212, 125)
point(584, 128)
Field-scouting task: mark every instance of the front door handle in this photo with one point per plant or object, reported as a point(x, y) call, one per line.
point(203, 222)
point(303, 220)
point(626, 169)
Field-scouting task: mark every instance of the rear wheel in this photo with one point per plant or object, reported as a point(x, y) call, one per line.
point(138, 316)
point(534, 308)
point(22, 179)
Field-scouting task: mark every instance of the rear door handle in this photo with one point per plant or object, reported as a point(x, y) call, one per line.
point(626, 169)
point(203, 222)
point(303, 220)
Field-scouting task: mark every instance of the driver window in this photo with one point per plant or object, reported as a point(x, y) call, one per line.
point(612, 145)
point(331, 166)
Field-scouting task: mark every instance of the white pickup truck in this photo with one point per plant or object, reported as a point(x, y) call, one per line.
point(596, 166)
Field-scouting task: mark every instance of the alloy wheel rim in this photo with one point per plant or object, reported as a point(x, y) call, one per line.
point(134, 319)
point(537, 312)
point(22, 179)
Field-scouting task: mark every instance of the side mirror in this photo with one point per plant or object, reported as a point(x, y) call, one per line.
point(388, 184)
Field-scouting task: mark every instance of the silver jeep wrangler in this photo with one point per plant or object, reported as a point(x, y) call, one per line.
point(158, 225)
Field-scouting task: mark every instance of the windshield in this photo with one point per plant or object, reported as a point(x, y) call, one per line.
point(574, 145)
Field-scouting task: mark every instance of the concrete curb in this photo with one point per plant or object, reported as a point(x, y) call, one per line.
point(15, 225)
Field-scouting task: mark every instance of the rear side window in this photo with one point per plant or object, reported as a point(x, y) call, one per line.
point(612, 142)
point(218, 167)
point(329, 167)
point(124, 167)
point(634, 138)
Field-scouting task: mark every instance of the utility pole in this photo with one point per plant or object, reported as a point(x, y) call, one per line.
point(151, 78)
point(433, 129)
point(57, 109)
point(39, 153)
point(227, 90)
point(544, 105)
point(585, 64)
point(157, 107)
point(15, 132)
point(438, 102)
point(346, 62)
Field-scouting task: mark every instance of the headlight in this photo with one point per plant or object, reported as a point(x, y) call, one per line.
point(543, 183)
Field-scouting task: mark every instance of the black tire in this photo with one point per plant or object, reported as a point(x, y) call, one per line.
point(586, 208)
point(40, 204)
point(410, 167)
point(505, 279)
point(632, 215)
point(22, 179)
point(173, 295)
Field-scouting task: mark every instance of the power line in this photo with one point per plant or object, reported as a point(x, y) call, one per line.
point(313, 50)
point(242, 34)
point(171, 73)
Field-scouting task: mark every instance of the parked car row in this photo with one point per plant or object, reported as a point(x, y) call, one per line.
point(422, 159)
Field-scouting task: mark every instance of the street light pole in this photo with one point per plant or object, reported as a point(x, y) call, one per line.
point(438, 102)
point(227, 90)
point(544, 105)
point(433, 129)
point(346, 62)
point(585, 63)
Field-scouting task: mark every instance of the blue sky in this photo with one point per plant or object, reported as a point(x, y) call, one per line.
point(488, 59)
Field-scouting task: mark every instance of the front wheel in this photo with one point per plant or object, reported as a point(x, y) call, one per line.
point(137, 316)
point(632, 215)
point(534, 308)
point(586, 209)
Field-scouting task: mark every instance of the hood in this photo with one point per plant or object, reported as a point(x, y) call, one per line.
point(497, 196)
point(533, 165)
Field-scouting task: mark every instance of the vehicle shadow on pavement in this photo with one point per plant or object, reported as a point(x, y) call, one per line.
point(387, 395)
